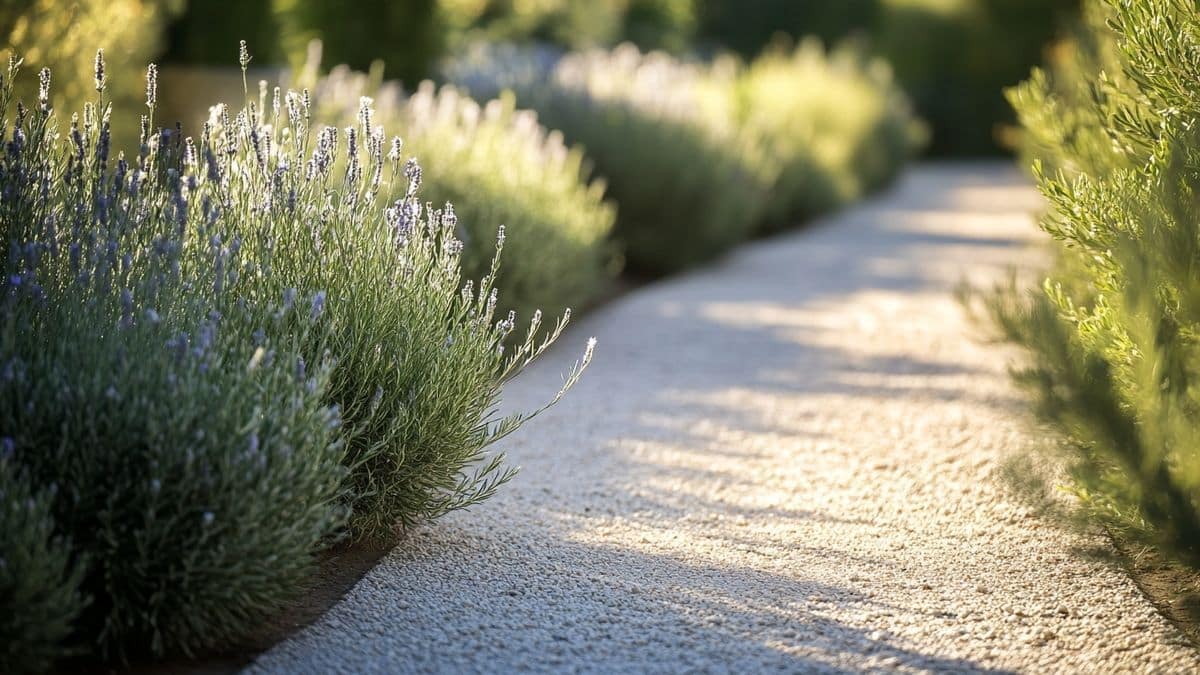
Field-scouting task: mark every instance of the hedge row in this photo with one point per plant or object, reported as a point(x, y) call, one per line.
point(701, 156)
point(223, 354)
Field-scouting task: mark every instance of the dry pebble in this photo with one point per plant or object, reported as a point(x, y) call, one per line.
point(781, 463)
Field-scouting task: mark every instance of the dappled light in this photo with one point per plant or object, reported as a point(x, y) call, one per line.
point(599, 336)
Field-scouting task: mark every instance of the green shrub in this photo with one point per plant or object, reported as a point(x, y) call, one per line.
point(497, 166)
point(39, 580)
point(685, 187)
point(408, 37)
point(834, 126)
point(219, 353)
point(577, 24)
point(195, 472)
point(659, 24)
point(1113, 339)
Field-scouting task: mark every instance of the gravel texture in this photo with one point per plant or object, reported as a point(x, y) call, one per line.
point(784, 462)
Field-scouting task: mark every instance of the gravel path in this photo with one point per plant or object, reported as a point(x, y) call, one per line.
point(780, 463)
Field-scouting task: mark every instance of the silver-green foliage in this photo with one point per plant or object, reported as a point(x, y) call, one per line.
point(39, 580)
point(685, 187)
point(418, 356)
point(219, 353)
point(1115, 337)
point(150, 391)
point(498, 167)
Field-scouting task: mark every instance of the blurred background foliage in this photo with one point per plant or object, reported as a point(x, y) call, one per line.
point(953, 57)
point(63, 35)
point(745, 26)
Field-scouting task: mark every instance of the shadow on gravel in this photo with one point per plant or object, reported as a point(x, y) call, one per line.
point(628, 611)
point(755, 323)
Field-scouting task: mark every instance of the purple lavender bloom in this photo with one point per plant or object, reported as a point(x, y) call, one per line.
point(214, 171)
point(318, 305)
point(178, 345)
point(126, 308)
point(412, 171)
point(205, 339)
point(98, 73)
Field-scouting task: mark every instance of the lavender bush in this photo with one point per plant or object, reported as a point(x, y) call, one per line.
point(39, 580)
point(498, 166)
point(698, 155)
point(831, 126)
point(686, 188)
point(218, 354)
point(420, 356)
point(150, 391)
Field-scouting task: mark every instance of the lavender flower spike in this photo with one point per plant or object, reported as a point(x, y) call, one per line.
point(99, 70)
point(44, 89)
point(318, 305)
point(151, 85)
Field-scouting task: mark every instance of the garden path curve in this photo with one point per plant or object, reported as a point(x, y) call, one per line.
point(783, 462)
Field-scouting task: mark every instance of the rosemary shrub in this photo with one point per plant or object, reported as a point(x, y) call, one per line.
point(1112, 338)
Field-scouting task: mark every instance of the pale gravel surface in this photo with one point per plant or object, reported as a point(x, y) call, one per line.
point(780, 463)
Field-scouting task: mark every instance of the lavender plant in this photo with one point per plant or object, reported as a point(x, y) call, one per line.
point(39, 577)
point(149, 392)
point(497, 165)
point(685, 187)
point(420, 357)
point(219, 353)
point(831, 126)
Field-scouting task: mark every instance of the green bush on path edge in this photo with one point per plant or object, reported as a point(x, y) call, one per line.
point(1112, 334)
point(699, 156)
point(221, 356)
